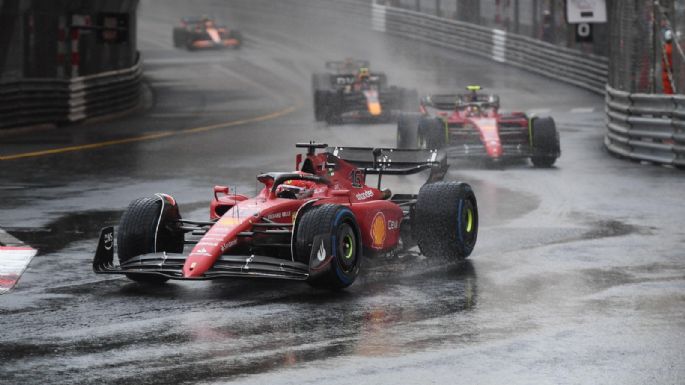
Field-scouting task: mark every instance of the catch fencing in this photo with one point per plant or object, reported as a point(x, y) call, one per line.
point(35, 101)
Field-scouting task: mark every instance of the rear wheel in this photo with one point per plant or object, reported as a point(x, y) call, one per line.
point(320, 105)
point(445, 222)
point(432, 133)
point(545, 142)
point(333, 103)
point(407, 130)
point(149, 225)
point(328, 240)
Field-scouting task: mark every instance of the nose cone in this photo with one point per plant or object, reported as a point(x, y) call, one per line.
point(214, 35)
point(494, 148)
point(200, 260)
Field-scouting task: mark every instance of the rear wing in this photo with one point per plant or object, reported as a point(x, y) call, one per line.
point(393, 161)
point(346, 66)
point(341, 80)
point(452, 101)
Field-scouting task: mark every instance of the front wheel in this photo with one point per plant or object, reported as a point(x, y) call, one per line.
point(328, 239)
point(149, 225)
point(445, 222)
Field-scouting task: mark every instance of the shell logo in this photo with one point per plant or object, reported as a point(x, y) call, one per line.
point(378, 230)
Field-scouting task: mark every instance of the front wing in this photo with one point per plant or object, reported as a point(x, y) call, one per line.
point(478, 151)
point(170, 265)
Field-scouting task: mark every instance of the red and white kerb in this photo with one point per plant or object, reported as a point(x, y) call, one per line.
point(13, 262)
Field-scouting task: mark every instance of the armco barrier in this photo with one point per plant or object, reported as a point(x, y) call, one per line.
point(584, 70)
point(35, 101)
point(647, 127)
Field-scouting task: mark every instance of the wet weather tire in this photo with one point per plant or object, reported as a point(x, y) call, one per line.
point(328, 239)
point(320, 105)
point(445, 222)
point(545, 142)
point(333, 108)
point(407, 130)
point(179, 37)
point(149, 225)
point(431, 133)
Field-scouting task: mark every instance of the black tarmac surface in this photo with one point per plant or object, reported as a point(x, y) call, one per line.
point(578, 276)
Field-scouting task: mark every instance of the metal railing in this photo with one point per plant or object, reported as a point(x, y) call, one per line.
point(647, 127)
point(35, 101)
point(571, 66)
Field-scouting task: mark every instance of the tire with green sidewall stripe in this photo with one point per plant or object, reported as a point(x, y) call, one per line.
point(445, 222)
point(334, 228)
point(544, 142)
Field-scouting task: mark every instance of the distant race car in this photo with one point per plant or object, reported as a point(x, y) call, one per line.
point(203, 32)
point(470, 125)
point(349, 91)
point(314, 224)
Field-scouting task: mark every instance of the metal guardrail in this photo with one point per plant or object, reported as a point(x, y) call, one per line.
point(584, 70)
point(35, 101)
point(647, 127)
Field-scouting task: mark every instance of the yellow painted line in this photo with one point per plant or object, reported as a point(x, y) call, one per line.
point(154, 136)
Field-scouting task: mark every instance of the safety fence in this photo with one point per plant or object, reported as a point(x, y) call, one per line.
point(648, 127)
point(584, 70)
point(35, 101)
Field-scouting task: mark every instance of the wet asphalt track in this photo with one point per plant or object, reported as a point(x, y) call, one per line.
point(578, 275)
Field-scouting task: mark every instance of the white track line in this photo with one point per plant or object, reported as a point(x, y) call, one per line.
point(583, 110)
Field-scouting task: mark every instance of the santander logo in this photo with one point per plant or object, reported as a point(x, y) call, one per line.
point(364, 195)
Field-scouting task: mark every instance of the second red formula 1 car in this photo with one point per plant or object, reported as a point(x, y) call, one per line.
point(203, 32)
point(470, 125)
point(313, 224)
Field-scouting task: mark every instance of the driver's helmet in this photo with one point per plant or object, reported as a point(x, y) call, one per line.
point(295, 189)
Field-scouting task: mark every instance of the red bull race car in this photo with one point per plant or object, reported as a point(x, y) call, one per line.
point(470, 125)
point(315, 224)
point(203, 32)
point(360, 95)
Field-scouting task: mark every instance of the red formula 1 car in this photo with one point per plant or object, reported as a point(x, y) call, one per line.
point(203, 32)
point(470, 125)
point(313, 224)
